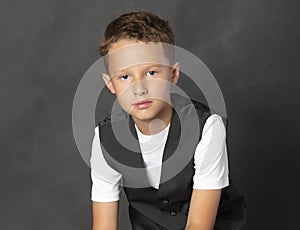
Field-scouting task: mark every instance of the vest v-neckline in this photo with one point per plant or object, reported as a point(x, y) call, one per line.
point(170, 146)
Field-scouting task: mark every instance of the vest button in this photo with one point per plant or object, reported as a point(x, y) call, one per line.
point(165, 201)
point(173, 213)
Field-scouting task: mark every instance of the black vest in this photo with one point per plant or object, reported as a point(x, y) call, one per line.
point(166, 207)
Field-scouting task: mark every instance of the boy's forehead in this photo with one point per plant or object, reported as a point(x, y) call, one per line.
point(133, 54)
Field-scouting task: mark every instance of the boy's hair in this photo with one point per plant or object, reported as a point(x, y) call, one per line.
point(140, 25)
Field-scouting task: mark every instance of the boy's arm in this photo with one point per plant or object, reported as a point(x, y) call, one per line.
point(105, 189)
point(211, 175)
point(203, 209)
point(105, 215)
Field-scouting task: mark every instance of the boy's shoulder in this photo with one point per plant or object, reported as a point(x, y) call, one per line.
point(185, 105)
point(115, 116)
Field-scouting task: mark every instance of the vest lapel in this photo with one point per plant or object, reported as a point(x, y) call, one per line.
point(127, 160)
point(171, 143)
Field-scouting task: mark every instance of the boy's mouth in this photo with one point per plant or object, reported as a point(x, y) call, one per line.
point(143, 104)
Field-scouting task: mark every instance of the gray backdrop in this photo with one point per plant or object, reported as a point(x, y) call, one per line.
point(46, 46)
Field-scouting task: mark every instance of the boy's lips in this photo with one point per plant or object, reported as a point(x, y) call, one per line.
point(143, 104)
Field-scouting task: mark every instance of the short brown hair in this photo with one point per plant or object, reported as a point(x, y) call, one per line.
point(140, 25)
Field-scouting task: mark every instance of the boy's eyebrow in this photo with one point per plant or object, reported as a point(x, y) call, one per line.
point(147, 66)
point(154, 65)
point(116, 73)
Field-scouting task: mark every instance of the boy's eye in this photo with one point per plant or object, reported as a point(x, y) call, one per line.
point(151, 73)
point(124, 77)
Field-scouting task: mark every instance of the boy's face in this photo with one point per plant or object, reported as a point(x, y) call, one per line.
point(142, 89)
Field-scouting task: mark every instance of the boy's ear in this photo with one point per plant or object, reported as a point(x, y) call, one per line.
point(108, 83)
point(175, 72)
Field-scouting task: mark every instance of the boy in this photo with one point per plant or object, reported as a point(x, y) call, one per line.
point(193, 191)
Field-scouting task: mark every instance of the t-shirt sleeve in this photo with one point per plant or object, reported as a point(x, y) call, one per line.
point(211, 163)
point(105, 180)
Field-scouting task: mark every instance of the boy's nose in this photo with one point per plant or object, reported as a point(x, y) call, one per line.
point(139, 88)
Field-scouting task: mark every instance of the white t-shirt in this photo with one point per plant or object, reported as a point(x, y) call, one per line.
point(210, 161)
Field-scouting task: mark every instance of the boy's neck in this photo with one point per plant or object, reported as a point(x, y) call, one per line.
point(154, 126)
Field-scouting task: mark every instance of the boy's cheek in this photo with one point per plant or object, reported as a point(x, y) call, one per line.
point(160, 89)
point(125, 99)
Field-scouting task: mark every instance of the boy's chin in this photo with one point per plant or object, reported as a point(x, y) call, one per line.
point(142, 117)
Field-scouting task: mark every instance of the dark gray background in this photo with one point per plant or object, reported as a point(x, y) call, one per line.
point(46, 46)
